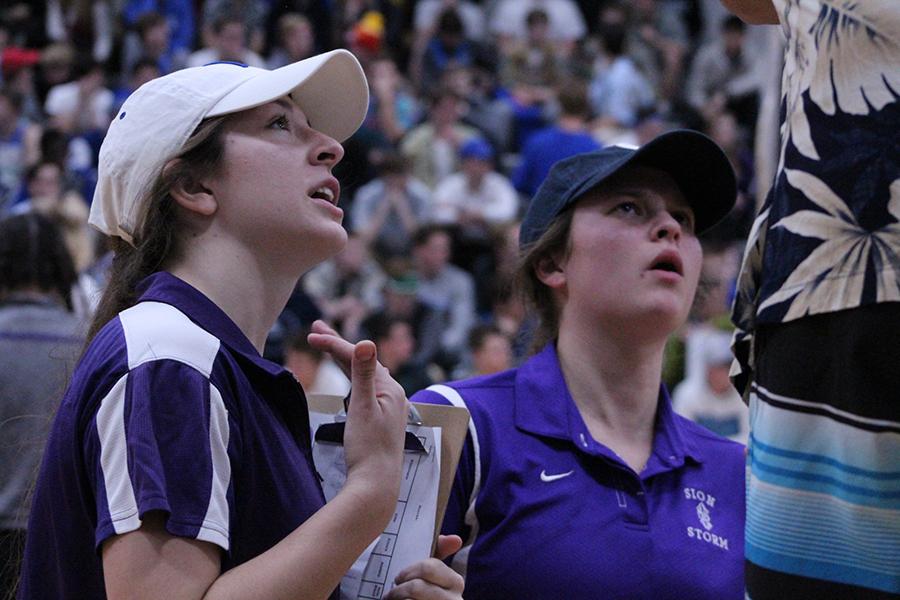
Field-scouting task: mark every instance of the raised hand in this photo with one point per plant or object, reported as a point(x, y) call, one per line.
point(376, 417)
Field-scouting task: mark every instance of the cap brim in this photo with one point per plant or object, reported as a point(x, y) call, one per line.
point(330, 88)
point(700, 169)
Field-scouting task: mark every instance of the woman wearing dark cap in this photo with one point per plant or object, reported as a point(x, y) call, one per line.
point(577, 479)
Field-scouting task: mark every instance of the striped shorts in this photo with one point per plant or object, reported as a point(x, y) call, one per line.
point(823, 492)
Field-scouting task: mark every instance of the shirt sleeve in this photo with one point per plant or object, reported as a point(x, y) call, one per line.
point(454, 522)
point(160, 441)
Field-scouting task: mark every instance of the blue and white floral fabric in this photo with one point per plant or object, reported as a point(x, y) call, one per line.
point(828, 236)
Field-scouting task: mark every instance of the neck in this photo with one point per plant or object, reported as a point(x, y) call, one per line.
point(250, 290)
point(614, 382)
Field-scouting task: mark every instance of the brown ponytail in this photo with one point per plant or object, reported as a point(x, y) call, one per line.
point(535, 294)
point(157, 242)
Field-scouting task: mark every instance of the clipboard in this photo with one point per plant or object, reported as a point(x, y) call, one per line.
point(453, 421)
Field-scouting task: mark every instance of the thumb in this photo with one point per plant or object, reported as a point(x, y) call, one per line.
point(362, 371)
point(447, 545)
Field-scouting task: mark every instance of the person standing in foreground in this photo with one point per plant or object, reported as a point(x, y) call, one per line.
point(818, 312)
point(577, 479)
point(179, 463)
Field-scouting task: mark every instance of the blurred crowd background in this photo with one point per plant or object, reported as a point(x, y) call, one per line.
point(471, 102)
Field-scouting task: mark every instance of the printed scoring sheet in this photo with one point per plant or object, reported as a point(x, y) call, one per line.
point(408, 536)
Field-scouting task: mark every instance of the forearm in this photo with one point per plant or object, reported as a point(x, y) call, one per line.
point(756, 12)
point(311, 560)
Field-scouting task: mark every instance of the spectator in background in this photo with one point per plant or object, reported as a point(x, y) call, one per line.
point(530, 71)
point(48, 196)
point(708, 398)
point(40, 339)
point(228, 42)
point(433, 147)
point(618, 90)
point(508, 22)
point(723, 74)
point(252, 13)
point(85, 24)
point(18, 72)
point(489, 351)
point(347, 288)
point(427, 12)
point(19, 146)
point(320, 14)
point(447, 48)
point(295, 41)
point(446, 287)
point(75, 155)
point(394, 108)
point(180, 19)
point(657, 41)
point(475, 202)
point(152, 40)
point(82, 106)
point(476, 197)
point(54, 68)
point(568, 136)
point(401, 300)
point(387, 210)
point(396, 343)
point(532, 63)
point(181, 27)
point(314, 369)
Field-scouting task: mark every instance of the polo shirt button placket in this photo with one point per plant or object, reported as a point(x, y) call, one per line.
point(632, 500)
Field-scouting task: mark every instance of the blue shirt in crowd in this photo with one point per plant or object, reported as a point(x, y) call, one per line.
point(172, 409)
point(546, 511)
point(542, 150)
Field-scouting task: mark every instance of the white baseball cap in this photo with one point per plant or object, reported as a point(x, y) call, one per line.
point(156, 121)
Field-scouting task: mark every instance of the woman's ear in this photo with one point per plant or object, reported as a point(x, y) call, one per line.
point(189, 192)
point(550, 272)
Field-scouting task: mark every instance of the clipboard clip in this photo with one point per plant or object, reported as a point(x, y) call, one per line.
point(333, 433)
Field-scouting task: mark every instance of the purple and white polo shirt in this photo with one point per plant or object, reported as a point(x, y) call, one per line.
point(546, 511)
point(172, 409)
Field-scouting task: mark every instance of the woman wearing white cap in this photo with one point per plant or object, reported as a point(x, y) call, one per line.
point(179, 464)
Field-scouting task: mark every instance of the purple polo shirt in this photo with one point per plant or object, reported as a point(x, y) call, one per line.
point(171, 408)
point(546, 511)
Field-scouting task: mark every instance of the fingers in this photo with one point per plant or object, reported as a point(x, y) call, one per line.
point(362, 375)
point(326, 339)
point(427, 580)
point(447, 545)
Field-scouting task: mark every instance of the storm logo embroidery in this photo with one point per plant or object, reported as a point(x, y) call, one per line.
point(706, 503)
point(703, 515)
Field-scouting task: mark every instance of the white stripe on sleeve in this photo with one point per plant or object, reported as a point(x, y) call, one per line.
point(114, 460)
point(215, 523)
point(461, 559)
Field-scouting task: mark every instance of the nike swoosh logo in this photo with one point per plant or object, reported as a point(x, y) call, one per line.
point(545, 477)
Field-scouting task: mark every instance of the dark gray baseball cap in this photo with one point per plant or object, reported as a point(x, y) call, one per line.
point(699, 167)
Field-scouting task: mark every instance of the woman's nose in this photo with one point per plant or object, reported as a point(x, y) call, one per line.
point(667, 227)
point(328, 151)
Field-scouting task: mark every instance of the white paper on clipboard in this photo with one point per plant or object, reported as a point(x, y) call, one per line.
point(408, 537)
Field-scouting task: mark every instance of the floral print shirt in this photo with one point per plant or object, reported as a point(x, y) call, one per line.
point(828, 235)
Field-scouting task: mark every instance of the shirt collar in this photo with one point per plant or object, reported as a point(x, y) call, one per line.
point(544, 406)
point(169, 289)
